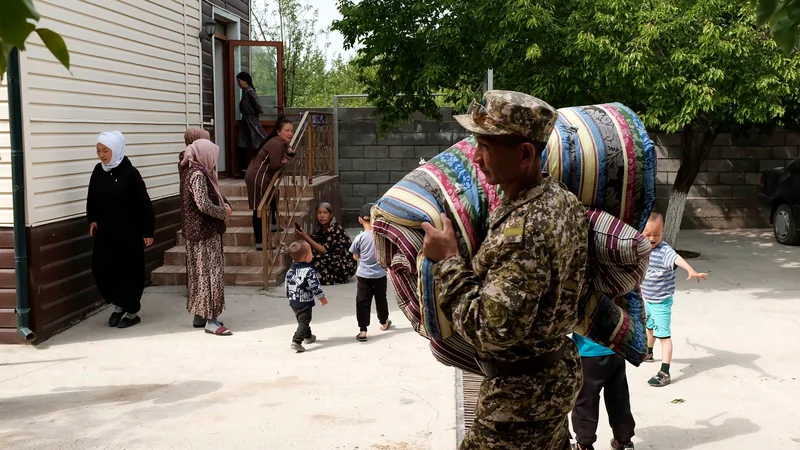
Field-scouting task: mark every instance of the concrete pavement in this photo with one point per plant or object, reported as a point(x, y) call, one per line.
point(164, 385)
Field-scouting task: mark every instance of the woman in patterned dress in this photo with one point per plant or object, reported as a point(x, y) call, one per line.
point(203, 216)
point(331, 247)
point(251, 133)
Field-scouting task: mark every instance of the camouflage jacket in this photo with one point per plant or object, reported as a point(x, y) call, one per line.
point(521, 294)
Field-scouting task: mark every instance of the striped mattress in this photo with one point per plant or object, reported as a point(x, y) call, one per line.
point(603, 154)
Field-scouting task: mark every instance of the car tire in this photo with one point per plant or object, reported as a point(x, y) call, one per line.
point(785, 226)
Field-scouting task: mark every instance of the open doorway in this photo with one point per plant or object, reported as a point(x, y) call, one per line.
point(220, 96)
point(264, 62)
point(228, 29)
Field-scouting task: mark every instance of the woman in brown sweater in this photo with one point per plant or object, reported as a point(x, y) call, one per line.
point(203, 215)
point(270, 159)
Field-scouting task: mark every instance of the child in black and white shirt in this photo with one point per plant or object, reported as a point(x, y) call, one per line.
point(303, 290)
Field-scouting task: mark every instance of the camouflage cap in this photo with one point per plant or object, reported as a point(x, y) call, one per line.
point(508, 112)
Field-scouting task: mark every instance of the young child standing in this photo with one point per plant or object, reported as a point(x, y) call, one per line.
point(371, 278)
point(657, 289)
point(602, 370)
point(303, 290)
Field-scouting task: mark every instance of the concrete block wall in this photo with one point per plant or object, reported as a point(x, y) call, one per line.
point(370, 164)
point(724, 193)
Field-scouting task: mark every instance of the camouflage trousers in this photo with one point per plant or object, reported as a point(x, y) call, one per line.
point(527, 412)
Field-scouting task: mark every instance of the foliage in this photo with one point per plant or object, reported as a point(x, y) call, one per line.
point(697, 67)
point(307, 80)
point(783, 17)
point(685, 62)
point(16, 25)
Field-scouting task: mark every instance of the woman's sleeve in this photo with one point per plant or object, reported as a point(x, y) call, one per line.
point(277, 151)
point(197, 184)
point(91, 199)
point(251, 94)
point(146, 214)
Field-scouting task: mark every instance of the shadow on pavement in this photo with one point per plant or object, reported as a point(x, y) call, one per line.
point(324, 343)
point(65, 398)
point(717, 359)
point(667, 437)
point(43, 361)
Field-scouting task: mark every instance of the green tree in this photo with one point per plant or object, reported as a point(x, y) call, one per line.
point(698, 67)
point(308, 81)
point(16, 25)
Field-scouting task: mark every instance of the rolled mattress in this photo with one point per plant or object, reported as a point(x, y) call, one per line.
point(603, 154)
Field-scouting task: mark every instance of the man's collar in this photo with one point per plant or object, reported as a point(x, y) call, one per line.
point(510, 205)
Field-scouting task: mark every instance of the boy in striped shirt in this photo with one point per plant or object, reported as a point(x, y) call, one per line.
point(657, 289)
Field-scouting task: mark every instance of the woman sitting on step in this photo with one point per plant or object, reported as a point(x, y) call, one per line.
point(203, 213)
point(331, 247)
point(275, 154)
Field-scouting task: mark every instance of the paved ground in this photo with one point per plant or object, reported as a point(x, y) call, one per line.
point(163, 385)
point(735, 370)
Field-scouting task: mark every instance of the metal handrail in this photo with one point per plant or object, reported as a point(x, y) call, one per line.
point(296, 176)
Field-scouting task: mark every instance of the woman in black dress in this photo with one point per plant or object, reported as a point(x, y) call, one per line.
point(251, 133)
point(331, 247)
point(122, 223)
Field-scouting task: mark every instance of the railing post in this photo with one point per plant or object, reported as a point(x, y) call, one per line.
point(329, 145)
point(311, 150)
point(266, 243)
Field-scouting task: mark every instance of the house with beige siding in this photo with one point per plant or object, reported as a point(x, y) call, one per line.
point(143, 67)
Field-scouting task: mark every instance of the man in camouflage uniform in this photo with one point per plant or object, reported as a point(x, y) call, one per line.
point(518, 299)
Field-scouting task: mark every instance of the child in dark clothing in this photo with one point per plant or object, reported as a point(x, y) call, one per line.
point(602, 370)
point(303, 290)
point(371, 278)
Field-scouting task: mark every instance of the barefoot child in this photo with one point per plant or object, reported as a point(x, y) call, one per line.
point(658, 288)
point(371, 278)
point(303, 290)
point(602, 370)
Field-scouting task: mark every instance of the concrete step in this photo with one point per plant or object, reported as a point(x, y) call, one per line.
point(233, 188)
point(234, 276)
point(234, 256)
point(239, 203)
point(234, 236)
point(240, 219)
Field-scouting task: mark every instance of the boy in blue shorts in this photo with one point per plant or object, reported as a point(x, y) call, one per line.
point(657, 289)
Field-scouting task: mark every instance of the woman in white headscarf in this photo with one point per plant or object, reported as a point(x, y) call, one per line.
point(122, 223)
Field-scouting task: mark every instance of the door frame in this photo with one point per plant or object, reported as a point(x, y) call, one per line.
point(231, 132)
point(225, 97)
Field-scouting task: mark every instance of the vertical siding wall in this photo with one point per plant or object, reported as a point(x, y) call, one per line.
point(135, 68)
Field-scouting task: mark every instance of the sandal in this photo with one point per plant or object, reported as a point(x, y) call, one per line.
point(660, 379)
point(386, 326)
point(361, 338)
point(199, 322)
point(221, 331)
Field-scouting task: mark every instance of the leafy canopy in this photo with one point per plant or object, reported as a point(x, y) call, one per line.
point(308, 80)
point(676, 62)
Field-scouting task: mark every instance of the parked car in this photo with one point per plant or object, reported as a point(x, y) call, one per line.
point(779, 193)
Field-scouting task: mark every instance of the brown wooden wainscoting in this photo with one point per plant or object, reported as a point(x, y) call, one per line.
point(8, 289)
point(62, 289)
